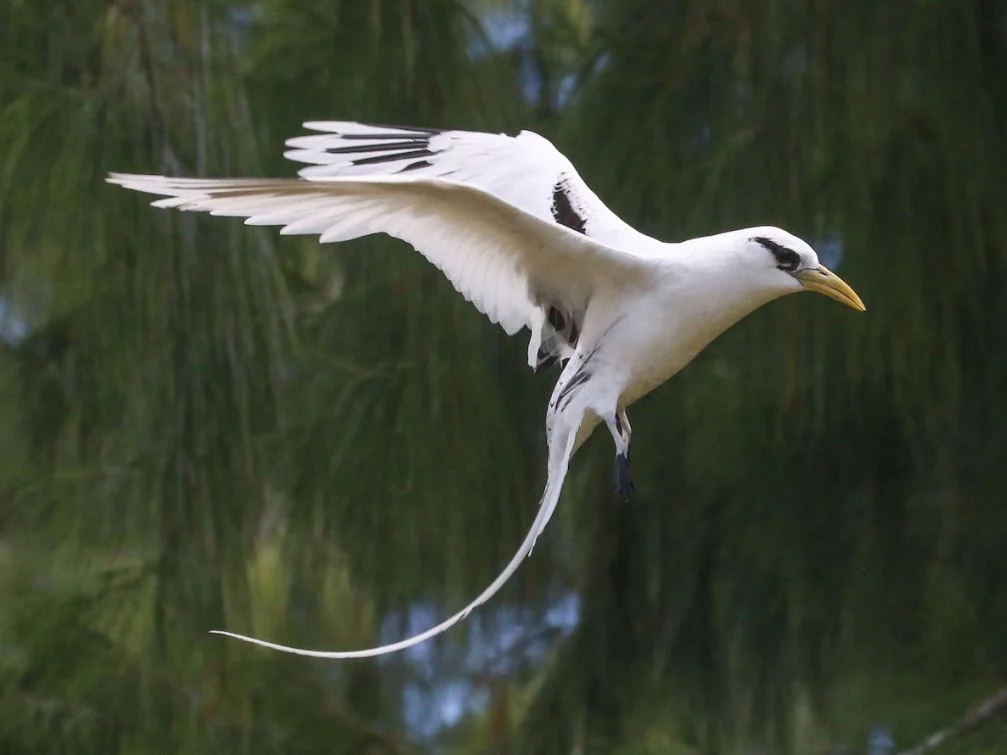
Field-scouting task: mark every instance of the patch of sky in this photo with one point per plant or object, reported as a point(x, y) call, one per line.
point(443, 686)
point(830, 250)
point(509, 30)
point(13, 327)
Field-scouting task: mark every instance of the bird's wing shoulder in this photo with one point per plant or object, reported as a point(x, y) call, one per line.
point(525, 170)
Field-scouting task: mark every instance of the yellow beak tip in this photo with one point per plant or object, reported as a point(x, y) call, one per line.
point(823, 281)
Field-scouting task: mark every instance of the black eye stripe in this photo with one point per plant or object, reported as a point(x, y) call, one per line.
point(786, 259)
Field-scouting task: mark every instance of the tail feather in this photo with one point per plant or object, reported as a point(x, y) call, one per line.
point(563, 441)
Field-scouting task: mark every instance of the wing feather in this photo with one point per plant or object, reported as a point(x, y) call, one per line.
point(498, 256)
point(525, 170)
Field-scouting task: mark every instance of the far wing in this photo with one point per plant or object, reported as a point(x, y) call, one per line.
point(526, 171)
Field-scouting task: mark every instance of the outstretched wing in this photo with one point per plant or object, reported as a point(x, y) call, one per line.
point(526, 171)
point(511, 265)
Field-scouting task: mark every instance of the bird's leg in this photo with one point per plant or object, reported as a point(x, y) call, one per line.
point(618, 426)
point(625, 430)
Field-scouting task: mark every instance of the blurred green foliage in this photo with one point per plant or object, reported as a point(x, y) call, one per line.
point(204, 426)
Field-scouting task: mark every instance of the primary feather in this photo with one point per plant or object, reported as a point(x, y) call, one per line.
point(525, 171)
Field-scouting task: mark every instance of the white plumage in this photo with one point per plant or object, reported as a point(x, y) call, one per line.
point(512, 225)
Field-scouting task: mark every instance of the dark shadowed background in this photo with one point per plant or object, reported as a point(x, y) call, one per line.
point(203, 425)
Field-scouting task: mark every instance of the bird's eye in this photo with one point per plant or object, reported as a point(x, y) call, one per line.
point(787, 260)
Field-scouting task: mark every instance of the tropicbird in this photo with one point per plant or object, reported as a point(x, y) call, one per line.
point(518, 232)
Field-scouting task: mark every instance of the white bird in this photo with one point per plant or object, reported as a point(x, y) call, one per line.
point(518, 233)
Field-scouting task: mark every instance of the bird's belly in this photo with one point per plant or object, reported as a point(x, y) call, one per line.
point(656, 360)
point(645, 344)
point(653, 372)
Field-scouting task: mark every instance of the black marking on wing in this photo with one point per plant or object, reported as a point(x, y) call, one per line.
point(395, 157)
point(381, 147)
point(579, 378)
point(549, 353)
point(394, 129)
point(561, 328)
point(385, 137)
point(565, 325)
point(545, 359)
point(417, 165)
point(562, 209)
point(586, 360)
point(401, 143)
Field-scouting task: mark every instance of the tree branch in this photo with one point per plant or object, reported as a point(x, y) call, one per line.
point(970, 722)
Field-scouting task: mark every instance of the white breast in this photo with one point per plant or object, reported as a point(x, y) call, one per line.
point(657, 335)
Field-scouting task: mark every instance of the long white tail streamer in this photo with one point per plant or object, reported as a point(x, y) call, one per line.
point(562, 443)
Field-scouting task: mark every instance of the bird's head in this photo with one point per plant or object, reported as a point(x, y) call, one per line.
point(783, 262)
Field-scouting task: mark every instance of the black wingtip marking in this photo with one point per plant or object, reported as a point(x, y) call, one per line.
point(563, 211)
point(400, 133)
point(390, 146)
point(416, 165)
point(414, 129)
point(385, 137)
point(579, 378)
point(393, 157)
point(401, 143)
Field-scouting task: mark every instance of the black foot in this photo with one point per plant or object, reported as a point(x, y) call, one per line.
point(623, 484)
